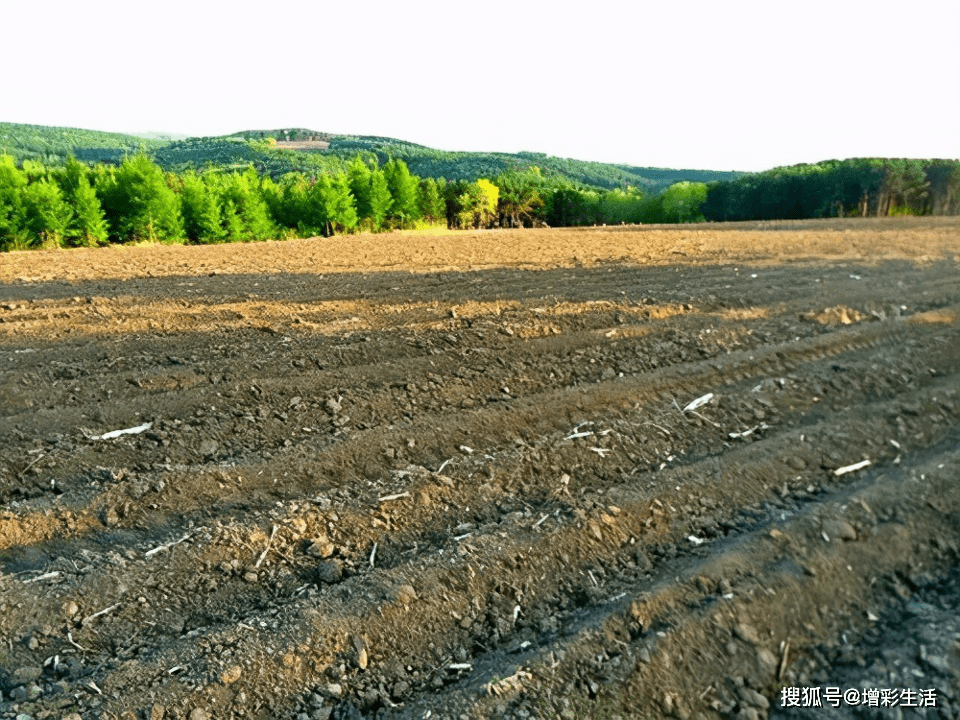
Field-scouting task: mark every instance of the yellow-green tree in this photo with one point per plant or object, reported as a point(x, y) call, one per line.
point(682, 202)
point(474, 205)
point(487, 207)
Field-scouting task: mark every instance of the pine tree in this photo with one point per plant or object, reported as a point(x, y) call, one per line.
point(273, 197)
point(521, 197)
point(403, 190)
point(315, 215)
point(244, 212)
point(88, 227)
point(231, 223)
point(380, 199)
point(297, 209)
point(34, 170)
point(341, 210)
point(255, 213)
point(47, 213)
point(431, 204)
point(201, 210)
point(138, 202)
point(359, 176)
point(13, 232)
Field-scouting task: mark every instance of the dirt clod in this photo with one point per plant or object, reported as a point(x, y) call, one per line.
point(231, 674)
point(321, 548)
point(329, 571)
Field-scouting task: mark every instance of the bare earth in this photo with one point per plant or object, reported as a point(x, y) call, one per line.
point(457, 475)
point(309, 145)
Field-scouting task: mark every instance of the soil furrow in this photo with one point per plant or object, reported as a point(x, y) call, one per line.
point(538, 474)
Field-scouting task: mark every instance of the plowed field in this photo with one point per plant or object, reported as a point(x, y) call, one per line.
point(581, 473)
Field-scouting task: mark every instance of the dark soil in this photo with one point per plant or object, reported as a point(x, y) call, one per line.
point(464, 475)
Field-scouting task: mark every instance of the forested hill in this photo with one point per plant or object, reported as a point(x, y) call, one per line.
point(279, 151)
point(52, 145)
point(426, 162)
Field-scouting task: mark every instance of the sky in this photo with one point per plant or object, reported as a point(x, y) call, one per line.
point(706, 84)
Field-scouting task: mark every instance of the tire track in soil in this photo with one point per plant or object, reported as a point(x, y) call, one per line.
point(298, 591)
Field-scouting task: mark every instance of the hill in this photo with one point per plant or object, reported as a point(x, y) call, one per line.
point(52, 145)
point(278, 151)
point(427, 162)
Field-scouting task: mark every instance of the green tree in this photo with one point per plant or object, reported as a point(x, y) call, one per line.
point(330, 205)
point(341, 210)
point(244, 213)
point(905, 187)
point(139, 204)
point(34, 170)
point(623, 206)
point(682, 202)
point(359, 176)
point(315, 215)
point(472, 204)
point(48, 215)
point(371, 193)
point(943, 177)
point(403, 191)
point(431, 203)
point(573, 206)
point(458, 201)
point(291, 205)
point(380, 199)
point(273, 197)
point(88, 227)
point(13, 232)
point(465, 206)
point(200, 206)
point(521, 197)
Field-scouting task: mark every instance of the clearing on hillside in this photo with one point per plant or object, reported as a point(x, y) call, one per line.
point(307, 145)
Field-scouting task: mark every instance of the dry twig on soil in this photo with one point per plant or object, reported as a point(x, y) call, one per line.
point(47, 576)
point(167, 546)
point(98, 614)
point(851, 468)
point(698, 403)
point(263, 555)
point(126, 431)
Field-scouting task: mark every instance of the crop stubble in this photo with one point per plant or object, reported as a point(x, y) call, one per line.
point(400, 474)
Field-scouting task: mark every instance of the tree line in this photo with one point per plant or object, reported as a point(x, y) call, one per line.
point(865, 187)
point(76, 204)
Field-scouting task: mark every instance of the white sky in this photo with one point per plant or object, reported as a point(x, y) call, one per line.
point(718, 85)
